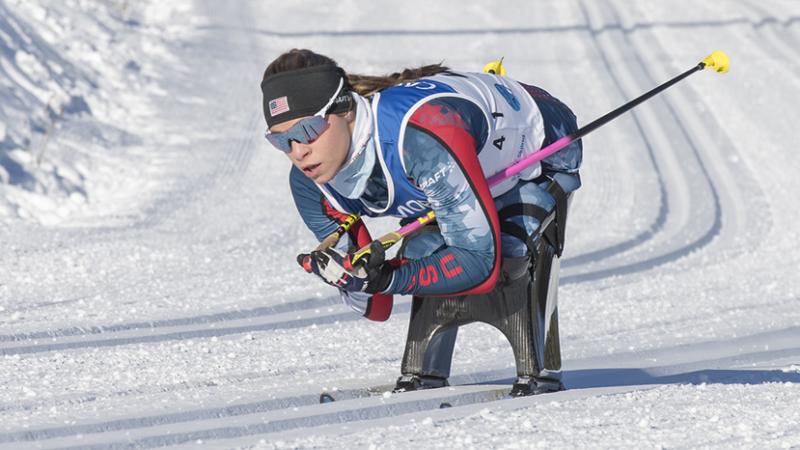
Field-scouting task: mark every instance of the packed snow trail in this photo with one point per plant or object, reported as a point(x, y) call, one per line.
point(187, 320)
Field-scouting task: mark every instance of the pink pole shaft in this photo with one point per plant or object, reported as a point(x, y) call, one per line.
point(408, 228)
point(506, 173)
point(526, 162)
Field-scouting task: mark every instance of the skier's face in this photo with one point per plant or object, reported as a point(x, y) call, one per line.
point(321, 159)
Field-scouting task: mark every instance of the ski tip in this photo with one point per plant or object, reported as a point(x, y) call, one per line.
point(326, 398)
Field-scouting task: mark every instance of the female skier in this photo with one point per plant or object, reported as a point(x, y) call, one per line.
point(401, 145)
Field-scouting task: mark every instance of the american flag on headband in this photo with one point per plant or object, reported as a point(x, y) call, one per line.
point(278, 106)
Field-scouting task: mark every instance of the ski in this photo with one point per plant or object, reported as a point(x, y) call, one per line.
point(449, 396)
point(523, 387)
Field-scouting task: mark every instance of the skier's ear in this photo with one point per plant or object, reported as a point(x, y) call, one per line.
point(350, 116)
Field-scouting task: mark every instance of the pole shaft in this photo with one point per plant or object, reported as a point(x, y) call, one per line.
point(584, 130)
point(597, 123)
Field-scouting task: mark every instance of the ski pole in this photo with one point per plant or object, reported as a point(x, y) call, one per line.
point(717, 61)
point(343, 228)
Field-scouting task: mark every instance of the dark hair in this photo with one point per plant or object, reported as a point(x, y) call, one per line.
point(364, 85)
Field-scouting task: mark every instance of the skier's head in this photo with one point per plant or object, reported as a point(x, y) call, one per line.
point(309, 111)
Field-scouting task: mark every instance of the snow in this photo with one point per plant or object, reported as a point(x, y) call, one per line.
point(665, 416)
point(74, 100)
point(148, 290)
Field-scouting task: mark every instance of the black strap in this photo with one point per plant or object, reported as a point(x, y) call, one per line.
point(553, 231)
point(551, 235)
point(522, 209)
point(519, 232)
point(515, 230)
point(562, 202)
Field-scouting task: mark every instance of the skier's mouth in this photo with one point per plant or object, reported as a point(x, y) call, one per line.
point(312, 170)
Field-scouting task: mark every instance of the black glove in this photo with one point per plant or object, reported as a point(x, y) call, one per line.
point(333, 266)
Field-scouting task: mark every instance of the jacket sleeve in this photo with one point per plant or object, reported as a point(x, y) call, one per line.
point(440, 155)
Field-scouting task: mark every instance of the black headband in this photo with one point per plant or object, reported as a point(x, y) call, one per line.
point(304, 92)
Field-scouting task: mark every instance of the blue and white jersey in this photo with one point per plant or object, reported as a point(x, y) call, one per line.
point(512, 121)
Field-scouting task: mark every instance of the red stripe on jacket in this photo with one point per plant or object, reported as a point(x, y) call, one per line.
point(450, 130)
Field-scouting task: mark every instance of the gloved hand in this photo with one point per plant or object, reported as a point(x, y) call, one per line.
point(334, 267)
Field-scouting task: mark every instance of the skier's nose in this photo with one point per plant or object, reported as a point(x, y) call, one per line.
point(299, 151)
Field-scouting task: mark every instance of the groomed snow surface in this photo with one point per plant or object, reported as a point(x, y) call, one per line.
point(148, 290)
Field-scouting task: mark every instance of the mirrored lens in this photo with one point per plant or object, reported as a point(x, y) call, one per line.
point(305, 131)
point(279, 141)
point(314, 128)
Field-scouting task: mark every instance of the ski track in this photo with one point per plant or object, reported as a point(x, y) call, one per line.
point(735, 187)
point(249, 422)
point(781, 46)
point(613, 32)
point(706, 161)
point(287, 413)
point(76, 338)
point(673, 234)
point(205, 319)
point(663, 209)
point(478, 32)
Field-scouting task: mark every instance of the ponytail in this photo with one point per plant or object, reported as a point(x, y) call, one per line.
point(367, 85)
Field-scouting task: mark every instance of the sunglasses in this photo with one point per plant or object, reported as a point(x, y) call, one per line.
point(305, 131)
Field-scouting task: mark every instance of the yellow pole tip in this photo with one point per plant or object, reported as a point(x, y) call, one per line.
point(718, 61)
point(495, 67)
